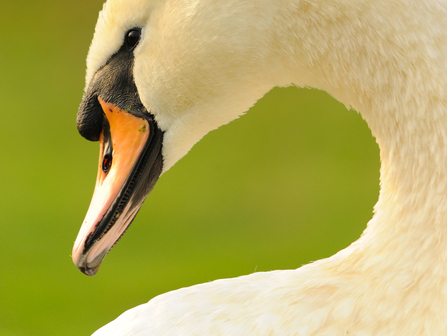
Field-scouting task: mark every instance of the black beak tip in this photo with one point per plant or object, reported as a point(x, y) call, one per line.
point(91, 268)
point(89, 271)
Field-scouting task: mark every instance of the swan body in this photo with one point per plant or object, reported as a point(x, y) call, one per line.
point(201, 63)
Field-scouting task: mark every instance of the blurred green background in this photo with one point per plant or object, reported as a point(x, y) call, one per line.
point(292, 181)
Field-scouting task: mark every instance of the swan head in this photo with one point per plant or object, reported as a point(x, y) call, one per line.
point(160, 75)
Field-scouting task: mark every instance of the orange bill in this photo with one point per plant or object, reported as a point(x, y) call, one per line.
point(124, 141)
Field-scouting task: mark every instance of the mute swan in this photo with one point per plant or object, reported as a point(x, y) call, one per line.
point(163, 73)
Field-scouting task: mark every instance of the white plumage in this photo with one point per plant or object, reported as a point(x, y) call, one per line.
point(202, 63)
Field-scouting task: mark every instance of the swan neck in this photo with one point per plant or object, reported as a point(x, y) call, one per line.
point(369, 55)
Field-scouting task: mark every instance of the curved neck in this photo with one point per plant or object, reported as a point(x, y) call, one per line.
point(372, 57)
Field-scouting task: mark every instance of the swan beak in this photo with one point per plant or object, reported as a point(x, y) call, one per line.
point(129, 165)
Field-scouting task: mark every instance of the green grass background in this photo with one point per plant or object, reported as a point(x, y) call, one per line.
point(292, 181)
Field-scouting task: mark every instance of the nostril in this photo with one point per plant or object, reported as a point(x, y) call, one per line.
point(106, 163)
point(107, 147)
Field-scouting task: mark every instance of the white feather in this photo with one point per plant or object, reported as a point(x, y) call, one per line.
point(202, 63)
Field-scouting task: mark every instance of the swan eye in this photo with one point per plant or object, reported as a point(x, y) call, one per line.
point(132, 38)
